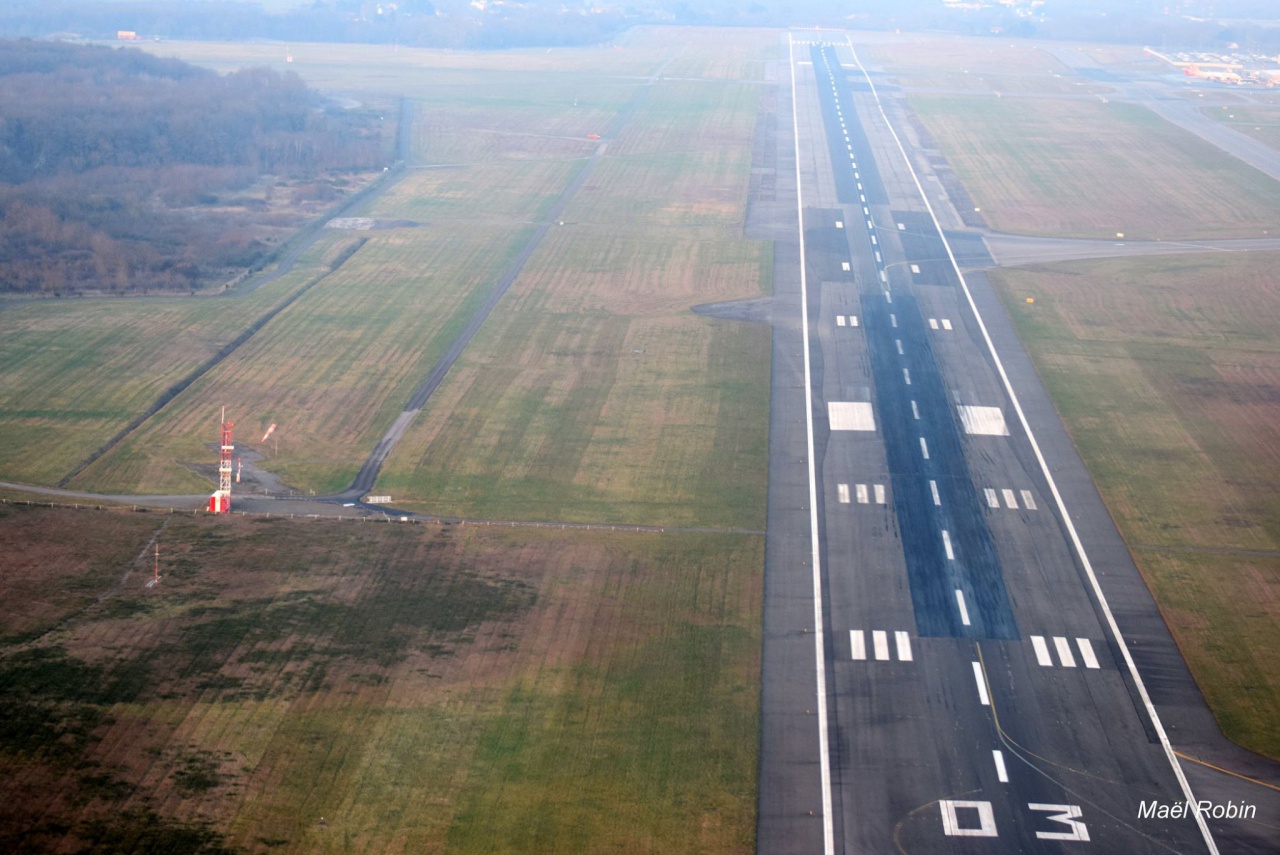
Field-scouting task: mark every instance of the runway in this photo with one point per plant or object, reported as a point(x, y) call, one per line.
point(946, 663)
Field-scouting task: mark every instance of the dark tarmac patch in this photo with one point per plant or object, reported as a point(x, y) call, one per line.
point(757, 310)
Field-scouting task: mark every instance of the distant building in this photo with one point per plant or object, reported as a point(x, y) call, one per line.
point(127, 36)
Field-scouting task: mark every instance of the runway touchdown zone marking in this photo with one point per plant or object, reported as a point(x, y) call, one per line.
point(880, 649)
point(1062, 646)
point(851, 415)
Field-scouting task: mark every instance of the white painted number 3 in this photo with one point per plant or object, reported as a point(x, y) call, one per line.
point(1067, 815)
point(977, 819)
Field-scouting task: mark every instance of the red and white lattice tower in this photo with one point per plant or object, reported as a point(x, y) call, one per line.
point(220, 501)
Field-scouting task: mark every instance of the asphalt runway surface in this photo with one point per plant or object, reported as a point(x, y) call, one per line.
point(960, 655)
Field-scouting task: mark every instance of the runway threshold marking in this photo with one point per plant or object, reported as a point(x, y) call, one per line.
point(1028, 501)
point(1074, 535)
point(842, 493)
point(839, 320)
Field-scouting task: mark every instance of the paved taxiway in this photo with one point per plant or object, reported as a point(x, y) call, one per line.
point(942, 666)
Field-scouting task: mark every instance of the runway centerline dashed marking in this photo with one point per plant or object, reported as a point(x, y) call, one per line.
point(946, 544)
point(982, 684)
point(924, 447)
point(1002, 774)
point(964, 609)
point(933, 488)
point(915, 410)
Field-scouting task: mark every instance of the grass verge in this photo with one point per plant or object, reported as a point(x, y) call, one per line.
point(1075, 168)
point(1165, 373)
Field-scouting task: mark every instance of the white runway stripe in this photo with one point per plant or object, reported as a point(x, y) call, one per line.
point(842, 492)
point(839, 320)
point(1002, 774)
point(904, 645)
point(898, 342)
point(915, 410)
point(1086, 653)
point(1009, 500)
point(946, 324)
point(946, 544)
point(982, 684)
point(906, 376)
point(1064, 651)
point(853, 320)
point(933, 488)
point(924, 448)
point(862, 494)
point(992, 501)
point(859, 643)
point(880, 640)
point(1042, 651)
point(1028, 501)
point(933, 323)
point(879, 494)
point(964, 610)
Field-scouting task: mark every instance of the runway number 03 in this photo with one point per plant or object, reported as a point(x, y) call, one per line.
point(979, 820)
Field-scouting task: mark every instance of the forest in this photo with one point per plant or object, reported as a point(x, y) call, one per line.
point(121, 171)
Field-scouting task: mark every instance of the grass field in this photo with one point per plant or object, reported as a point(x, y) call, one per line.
point(1092, 169)
point(497, 137)
point(332, 370)
point(326, 687)
point(980, 66)
point(1167, 374)
point(593, 393)
point(75, 371)
point(1262, 122)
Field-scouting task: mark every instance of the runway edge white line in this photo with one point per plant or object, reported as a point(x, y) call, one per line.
point(1044, 467)
point(824, 759)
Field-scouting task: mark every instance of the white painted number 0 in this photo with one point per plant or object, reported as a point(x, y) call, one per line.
point(952, 827)
point(1065, 814)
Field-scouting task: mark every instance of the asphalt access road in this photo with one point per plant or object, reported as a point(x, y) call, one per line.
point(975, 692)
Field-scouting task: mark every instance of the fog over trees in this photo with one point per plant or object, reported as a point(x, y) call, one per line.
point(123, 171)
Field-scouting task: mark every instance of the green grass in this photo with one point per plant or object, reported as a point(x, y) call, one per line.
point(1164, 371)
point(75, 371)
point(593, 394)
point(332, 371)
point(1093, 169)
point(329, 686)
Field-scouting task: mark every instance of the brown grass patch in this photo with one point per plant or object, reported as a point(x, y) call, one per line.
point(1092, 169)
point(312, 686)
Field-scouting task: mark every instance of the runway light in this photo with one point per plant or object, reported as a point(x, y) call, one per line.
point(1031, 299)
